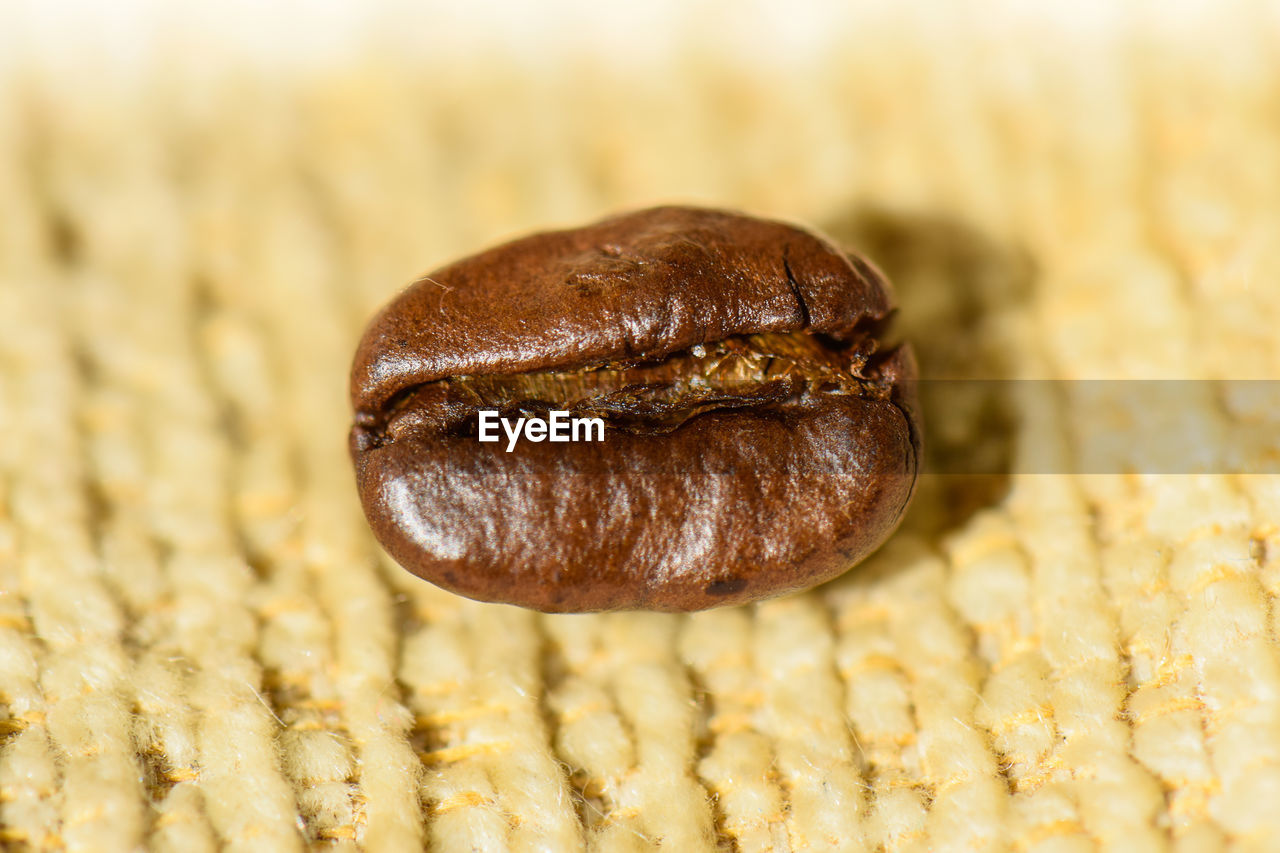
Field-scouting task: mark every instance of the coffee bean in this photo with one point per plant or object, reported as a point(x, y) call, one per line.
point(758, 438)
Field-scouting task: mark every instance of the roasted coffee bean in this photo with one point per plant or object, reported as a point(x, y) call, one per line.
point(758, 437)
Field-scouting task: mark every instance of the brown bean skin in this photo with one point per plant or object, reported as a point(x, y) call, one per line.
point(758, 439)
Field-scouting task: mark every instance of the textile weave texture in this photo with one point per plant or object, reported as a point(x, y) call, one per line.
point(201, 646)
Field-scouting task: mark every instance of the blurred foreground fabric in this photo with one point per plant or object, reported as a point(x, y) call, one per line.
point(202, 648)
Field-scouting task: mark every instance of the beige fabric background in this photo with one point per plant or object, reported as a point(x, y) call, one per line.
point(201, 646)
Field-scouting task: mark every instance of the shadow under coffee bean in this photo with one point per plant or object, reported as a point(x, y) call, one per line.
point(758, 437)
point(964, 300)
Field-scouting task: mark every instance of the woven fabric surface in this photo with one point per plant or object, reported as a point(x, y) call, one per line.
point(201, 646)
